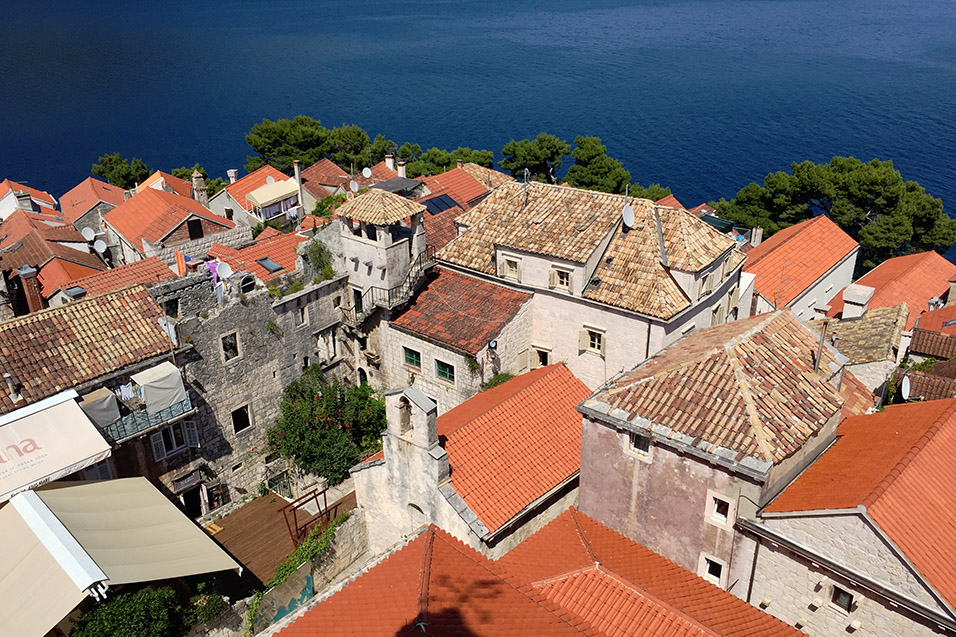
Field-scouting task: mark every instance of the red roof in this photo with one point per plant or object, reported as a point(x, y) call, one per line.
point(177, 185)
point(460, 311)
point(701, 209)
point(256, 179)
point(281, 248)
point(574, 576)
point(790, 261)
point(152, 214)
point(146, 271)
point(38, 195)
point(380, 172)
point(322, 177)
point(441, 228)
point(59, 273)
point(459, 185)
point(512, 444)
point(671, 202)
point(897, 464)
point(912, 279)
point(942, 320)
point(86, 194)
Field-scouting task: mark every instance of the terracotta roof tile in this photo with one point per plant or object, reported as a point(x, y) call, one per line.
point(152, 214)
point(59, 273)
point(86, 194)
point(379, 207)
point(58, 348)
point(256, 179)
point(671, 202)
point(281, 248)
point(518, 444)
point(380, 172)
point(142, 272)
point(790, 261)
point(942, 320)
point(440, 229)
point(37, 195)
point(325, 174)
point(747, 386)
point(931, 343)
point(904, 482)
point(912, 279)
point(488, 177)
point(875, 336)
point(927, 386)
point(458, 184)
point(460, 311)
point(170, 182)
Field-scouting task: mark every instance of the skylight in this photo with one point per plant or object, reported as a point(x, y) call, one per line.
point(270, 265)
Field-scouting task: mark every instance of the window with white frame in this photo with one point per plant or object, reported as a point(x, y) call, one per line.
point(99, 471)
point(591, 339)
point(170, 440)
point(720, 510)
point(241, 419)
point(413, 358)
point(445, 371)
point(559, 279)
point(511, 268)
point(639, 444)
point(541, 357)
point(712, 569)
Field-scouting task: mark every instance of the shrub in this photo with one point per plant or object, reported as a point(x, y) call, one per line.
point(149, 611)
point(324, 206)
point(498, 379)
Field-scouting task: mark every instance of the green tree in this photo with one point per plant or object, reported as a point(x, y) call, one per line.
point(280, 142)
point(212, 185)
point(349, 147)
point(409, 152)
point(120, 171)
point(870, 201)
point(435, 161)
point(652, 192)
point(155, 612)
point(594, 170)
point(381, 147)
point(541, 156)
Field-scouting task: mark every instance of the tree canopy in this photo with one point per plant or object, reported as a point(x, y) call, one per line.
point(594, 170)
point(541, 156)
point(284, 140)
point(870, 201)
point(212, 185)
point(435, 161)
point(120, 171)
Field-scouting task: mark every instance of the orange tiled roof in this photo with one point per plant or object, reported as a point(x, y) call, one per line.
point(252, 181)
point(144, 272)
point(59, 273)
point(38, 195)
point(912, 279)
point(522, 442)
point(488, 177)
point(58, 348)
point(324, 176)
point(747, 386)
point(440, 229)
point(379, 207)
point(281, 248)
point(905, 483)
point(460, 311)
point(933, 343)
point(86, 194)
point(177, 185)
point(790, 261)
point(152, 214)
point(671, 202)
point(942, 320)
point(380, 172)
point(458, 184)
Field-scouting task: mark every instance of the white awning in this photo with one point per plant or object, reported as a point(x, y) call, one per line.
point(162, 387)
point(271, 193)
point(46, 441)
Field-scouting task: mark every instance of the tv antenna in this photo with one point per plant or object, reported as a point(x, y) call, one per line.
point(353, 185)
point(100, 246)
point(627, 214)
point(88, 233)
point(270, 179)
point(367, 172)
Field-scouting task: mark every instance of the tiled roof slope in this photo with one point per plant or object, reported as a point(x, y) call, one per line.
point(379, 207)
point(144, 272)
point(57, 348)
point(521, 446)
point(177, 185)
point(875, 336)
point(326, 173)
point(39, 195)
point(933, 343)
point(942, 320)
point(86, 194)
point(436, 584)
point(928, 386)
point(747, 387)
point(905, 483)
point(58, 273)
point(912, 279)
point(671, 202)
point(487, 176)
point(791, 260)
point(460, 311)
point(458, 184)
point(573, 542)
point(570, 224)
point(440, 229)
point(380, 172)
point(281, 248)
point(152, 214)
point(256, 179)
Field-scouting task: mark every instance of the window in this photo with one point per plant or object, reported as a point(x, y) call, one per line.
point(270, 266)
point(511, 268)
point(639, 444)
point(336, 301)
point(591, 340)
point(841, 598)
point(357, 300)
point(445, 371)
point(229, 213)
point(413, 358)
point(99, 471)
point(707, 284)
point(171, 307)
point(542, 358)
point(713, 570)
point(240, 419)
point(301, 316)
point(173, 439)
point(721, 509)
point(717, 315)
point(405, 415)
point(560, 279)
point(194, 226)
point(247, 284)
point(230, 346)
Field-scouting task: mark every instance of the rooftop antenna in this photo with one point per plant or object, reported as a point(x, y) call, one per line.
point(660, 237)
point(527, 176)
point(353, 186)
point(88, 233)
point(367, 172)
point(627, 214)
point(100, 246)
point(270, 179)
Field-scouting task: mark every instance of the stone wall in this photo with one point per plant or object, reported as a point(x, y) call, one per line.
point(236, 237)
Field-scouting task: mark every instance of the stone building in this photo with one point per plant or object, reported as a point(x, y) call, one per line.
point(674, 451)
point(85, 204)
point(490, 472)
point(863, 541)
point(245, 200)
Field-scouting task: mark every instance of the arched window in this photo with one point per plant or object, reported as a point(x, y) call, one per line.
point(248, 284)
point(363, 377)
point(405, 414)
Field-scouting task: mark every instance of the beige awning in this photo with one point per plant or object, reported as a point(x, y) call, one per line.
point(46, 441)
point(271, 193)
point(162, 387)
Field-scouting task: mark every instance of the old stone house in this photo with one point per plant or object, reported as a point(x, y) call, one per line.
point(490, 472)
point(863, 541)
point(701, 434)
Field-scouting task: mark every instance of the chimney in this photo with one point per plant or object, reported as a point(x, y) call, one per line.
point(298, 181)
point(233, 174)
point(24, 201)
point(459, 163)
point(199, 188)
point(31, 288)
point(12, 387)
point(856, 298)
point(401, 169)
point(390, 161)
point(756, 236)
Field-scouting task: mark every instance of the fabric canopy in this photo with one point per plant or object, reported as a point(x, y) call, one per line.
point(271, 193)
point(46, 441)
point(162, 387)
point(101, 407)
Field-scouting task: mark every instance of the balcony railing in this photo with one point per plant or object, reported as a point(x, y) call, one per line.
point(139, 421)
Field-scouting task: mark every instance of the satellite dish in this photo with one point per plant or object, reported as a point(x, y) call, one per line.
point(353, 186)
point(628, 216)
point(224, 270)
point(367, 173)
point(905, 388)
point(270, 179)
point(100, 246)
point(88, 233)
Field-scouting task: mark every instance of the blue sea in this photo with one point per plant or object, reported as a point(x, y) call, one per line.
point(703, 96)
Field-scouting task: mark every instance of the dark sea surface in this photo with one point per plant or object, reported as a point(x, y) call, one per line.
point(702, 96)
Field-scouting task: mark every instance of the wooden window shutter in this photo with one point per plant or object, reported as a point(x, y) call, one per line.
point(191, 433)
point(159, 450)
point(523, 359)
point(552, 278)
point(583, 340)
point(603, 343)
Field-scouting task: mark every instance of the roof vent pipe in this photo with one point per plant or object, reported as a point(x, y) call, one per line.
point(12, 387)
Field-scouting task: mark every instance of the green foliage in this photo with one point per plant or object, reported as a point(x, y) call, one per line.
point(297, 286)
point(434, 160)
point(120, 171)
point(205, 605)
point(473, 365)
point(349, 147)
point(498, 379)
point(324, 207)
point(212, 185)
point(259, 227)
point(326, 427)
point(870, 201)
point(409, 152)
point(317, 255)
point(381, 147)
point(273, 329)
point(274, 291)
point(326, 274)
point(594, 170)
point(924, 365)
point(652, 192)
point(150, 611)
point(541, 156)
point(284, 140)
